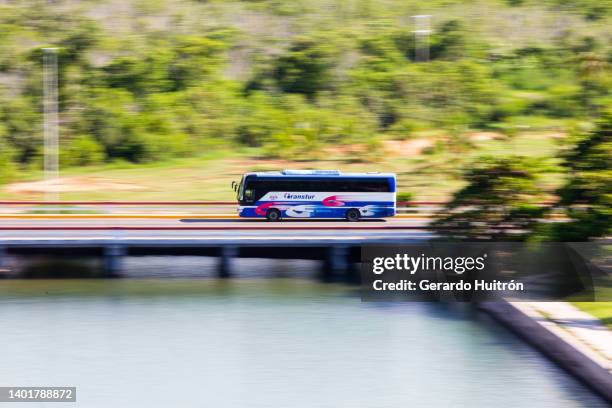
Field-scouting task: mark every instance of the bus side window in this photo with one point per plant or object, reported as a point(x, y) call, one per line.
point(367, 186)
point(262, 187)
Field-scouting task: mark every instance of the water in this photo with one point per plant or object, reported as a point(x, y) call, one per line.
point(264, 343)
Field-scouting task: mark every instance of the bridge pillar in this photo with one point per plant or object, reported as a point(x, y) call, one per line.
point(228, 253)
point(3, 262)
point(113, 260)
point(336, 262)
point(2, 256)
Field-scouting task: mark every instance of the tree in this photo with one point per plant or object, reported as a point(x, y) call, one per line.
point(305, 68)
point(167, 66)
point(196, 58)
point(114, 121)
point(127, 72)
point(81, 38)
point(22, 126)
point(7, 167)
point(449, 41)
point(588, 191)
point(500, 201)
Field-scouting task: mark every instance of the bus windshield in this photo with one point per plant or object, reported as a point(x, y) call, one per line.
point(239, 189)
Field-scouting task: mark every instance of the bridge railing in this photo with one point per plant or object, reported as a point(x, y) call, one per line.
point(179, 203)
point(417, 208)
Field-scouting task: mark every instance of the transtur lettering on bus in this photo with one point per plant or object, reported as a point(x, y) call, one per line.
point(299, 196)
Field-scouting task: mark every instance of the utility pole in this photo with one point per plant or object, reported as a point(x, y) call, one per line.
point(50, 127)
point(421, 37)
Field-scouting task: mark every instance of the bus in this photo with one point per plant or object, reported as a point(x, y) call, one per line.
point(315, 194)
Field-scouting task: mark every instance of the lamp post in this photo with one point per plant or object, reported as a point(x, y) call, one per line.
point(421, 37)
point(50, 127)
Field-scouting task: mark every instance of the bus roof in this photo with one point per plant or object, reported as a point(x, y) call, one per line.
point(319, 174)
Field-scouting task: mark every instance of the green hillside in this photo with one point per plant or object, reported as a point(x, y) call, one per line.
point(150, 80)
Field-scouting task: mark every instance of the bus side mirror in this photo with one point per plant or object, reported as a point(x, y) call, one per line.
point(234, 185)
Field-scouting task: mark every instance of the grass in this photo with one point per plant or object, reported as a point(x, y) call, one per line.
point(433, 176)
point(601, 310)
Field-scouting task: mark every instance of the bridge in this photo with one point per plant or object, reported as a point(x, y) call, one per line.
point(113, 230)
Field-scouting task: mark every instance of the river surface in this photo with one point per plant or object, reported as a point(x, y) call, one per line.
point(264, 343)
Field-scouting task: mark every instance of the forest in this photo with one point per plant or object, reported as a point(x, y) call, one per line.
point(146, 80)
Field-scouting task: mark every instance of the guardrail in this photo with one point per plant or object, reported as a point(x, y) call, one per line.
point(94, 203)
point(182, 203)
point(166, 208)
point(196, 203)
point(152, 209)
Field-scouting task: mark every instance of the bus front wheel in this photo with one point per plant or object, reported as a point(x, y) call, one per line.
point(273, 214)
point(353, 215)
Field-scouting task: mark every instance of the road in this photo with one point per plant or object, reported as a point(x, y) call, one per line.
point(209, 229)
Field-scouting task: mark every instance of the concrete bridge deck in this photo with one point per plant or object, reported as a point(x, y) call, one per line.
point(334, 242)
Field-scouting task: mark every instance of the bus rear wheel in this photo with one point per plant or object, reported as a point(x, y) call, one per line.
point(273, 215)
point(352, 215)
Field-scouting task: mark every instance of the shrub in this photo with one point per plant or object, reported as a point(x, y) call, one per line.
point(404, 196)
point(564, 101)
point(82, 151)
point(8, 169)
point(403, 129)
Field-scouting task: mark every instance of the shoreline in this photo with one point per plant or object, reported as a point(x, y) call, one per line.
point(547, 336)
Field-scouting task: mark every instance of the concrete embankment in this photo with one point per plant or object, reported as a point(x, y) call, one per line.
point(573, 357)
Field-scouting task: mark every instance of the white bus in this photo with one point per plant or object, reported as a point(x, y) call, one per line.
point(316, 194)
